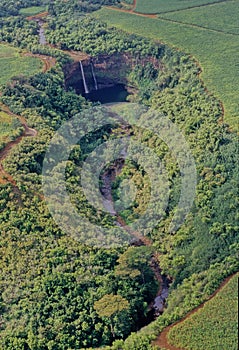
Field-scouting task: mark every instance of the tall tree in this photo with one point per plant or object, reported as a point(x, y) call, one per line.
point(109, 306)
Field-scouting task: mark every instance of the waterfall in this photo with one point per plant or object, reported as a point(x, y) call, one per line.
point(93, 75)
point(83, 77)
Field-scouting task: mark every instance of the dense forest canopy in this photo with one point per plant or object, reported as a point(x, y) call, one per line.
point(57, 293)
point(11, 8)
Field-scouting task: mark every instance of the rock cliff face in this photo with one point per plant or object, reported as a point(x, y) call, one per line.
point(109, 70)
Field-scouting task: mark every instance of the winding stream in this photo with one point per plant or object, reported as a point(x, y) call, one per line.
point(42, 38)
point(157, 306)
point(41, 31)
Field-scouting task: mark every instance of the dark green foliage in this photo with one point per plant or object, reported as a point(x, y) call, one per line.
point(18, 32)
point(53, 282)
point(11, 8)
point(60, 7)
point(95, 38)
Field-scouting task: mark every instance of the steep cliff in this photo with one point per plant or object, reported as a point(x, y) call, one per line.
point(108, 71)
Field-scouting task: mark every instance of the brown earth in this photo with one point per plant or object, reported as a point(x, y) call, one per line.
point(77, 56)
point(132, 12)
point(38, 16)
point(48, 61)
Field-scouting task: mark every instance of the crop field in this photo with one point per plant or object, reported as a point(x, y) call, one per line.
point(212, 327)
point(216, 52)
point(31, 11)
point(161, 6)
point(13, 63)
point(10, 128)
point(222, 17)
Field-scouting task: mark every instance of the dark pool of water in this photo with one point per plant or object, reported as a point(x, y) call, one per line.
point(116, 93)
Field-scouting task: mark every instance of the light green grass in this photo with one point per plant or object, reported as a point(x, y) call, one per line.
point(160, 6)
point(7, 51)
point(222, 16)
point(31, 11)
point(12, 63)
point(216, 52)
point(213, 327)
point(10, 128)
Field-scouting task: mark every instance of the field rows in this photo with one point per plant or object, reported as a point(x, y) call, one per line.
point(212, 327)
point(216, 52)
point(10, 128)
point(162, 6)
point(220, 17)
point(12, 63)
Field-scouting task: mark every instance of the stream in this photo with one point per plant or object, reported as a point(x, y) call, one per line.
point(42, 38)
point(119, 93)
point(157, 306)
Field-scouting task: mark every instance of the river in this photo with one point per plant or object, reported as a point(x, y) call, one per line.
point(115, 94)
point(42, 38)
point(157, 306)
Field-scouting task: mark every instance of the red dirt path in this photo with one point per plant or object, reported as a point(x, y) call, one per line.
point(132, 12)
point(4, 176)
point(38, 16)
point(48, 61)
point(162, 339)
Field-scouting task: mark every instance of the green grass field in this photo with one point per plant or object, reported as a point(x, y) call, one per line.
point(12, 63)
point(10, 128)
point(31, 11)
point(217, 52)
point(161, 6)
point(222, 17)
point(212, 327)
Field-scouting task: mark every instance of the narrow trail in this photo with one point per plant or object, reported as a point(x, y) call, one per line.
point(48, 61)
point(162, 339)
point(156, 14)
point(4, 176)
point(159, 17)
point(132, 12)
point(221, 118)
point(77, 56)
point(38, 16)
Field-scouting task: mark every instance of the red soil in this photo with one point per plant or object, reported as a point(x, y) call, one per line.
point(132, 12)
point(48, 61)
point(38, 16)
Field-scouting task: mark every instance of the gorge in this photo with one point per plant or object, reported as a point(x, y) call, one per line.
point(53, 280)
point(98, 79)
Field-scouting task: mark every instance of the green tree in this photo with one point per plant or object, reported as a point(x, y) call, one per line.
point(109, 306)
point(134, 262)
